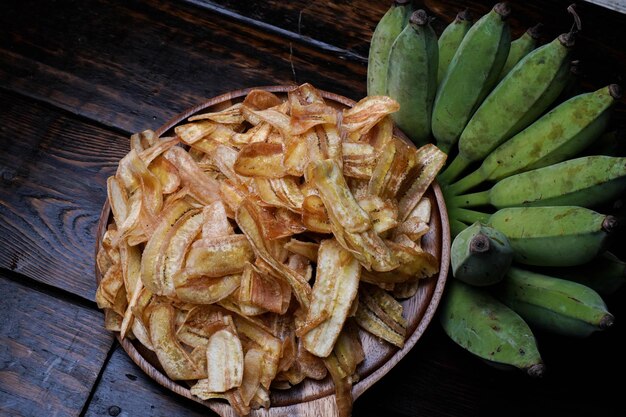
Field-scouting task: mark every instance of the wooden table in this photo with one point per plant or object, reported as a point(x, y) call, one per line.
point(78, 77)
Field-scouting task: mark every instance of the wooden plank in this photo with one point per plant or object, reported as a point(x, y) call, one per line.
point(134, 64)
point(345, 25)
point(51, 352)
point(53, 174)
point(125, 388)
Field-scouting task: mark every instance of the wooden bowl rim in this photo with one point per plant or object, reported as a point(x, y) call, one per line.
point(222, 408)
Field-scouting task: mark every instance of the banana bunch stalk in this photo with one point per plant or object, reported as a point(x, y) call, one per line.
point(533, 172)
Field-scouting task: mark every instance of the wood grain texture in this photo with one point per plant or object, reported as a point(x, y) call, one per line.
point(50, 353)
point(134, 64)
point(126, 387)
point(53, 174)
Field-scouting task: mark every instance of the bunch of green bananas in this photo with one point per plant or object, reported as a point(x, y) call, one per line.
point(527, 181)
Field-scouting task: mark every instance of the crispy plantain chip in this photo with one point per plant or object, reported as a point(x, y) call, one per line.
point(201, 186)
point(260, 159)
point(249, 221)
point(153, 257)
point(216, 257)
point(431, 160)
point(338, 200)
point(335, 288)
point(358, 120)
point(380, 314)
point(231, 115)
point(225, 356)
point(341, 365)
point(175, 361)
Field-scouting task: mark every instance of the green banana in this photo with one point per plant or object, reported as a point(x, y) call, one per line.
point(386, 31)
point(412, 77)
point(480, 255)
point(557, 136)
point(552, 304)
point(516, 102)
point(587, 181)
point(472, 73)
point(554, 235)
point(605, 273)
point(484, 326)
point(521, 47)
point(450, 40)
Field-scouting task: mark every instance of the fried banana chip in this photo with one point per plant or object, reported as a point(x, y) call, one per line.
point(264, 291)
point(307, 249)
point(308, 111)
point(201, 186)
point(153, 257)
point(335, 288)
point(230, 116)
point(314, 214)
point(250, 222)
point(175, 360)
point(341, 365)
point(380, 314)
point(216, 257)
point(225, 354)
point(365, 114)
point(384, 213)
point(431, 160)
point(260, 160)
point(338, 200)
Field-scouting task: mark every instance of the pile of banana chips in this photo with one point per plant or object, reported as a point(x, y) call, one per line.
point(246, 250)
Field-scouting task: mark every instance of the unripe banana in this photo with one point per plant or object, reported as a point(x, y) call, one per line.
point(556, 305)
point(557, 136)
point(587, 181)
point(521, 47)
point(605, 273)
point(480, 255)
point(554, 235)
point(516, 102)
point(472, 73)
point(484, 326)
point(412, 77)
point(387, 29)
point(450, 40)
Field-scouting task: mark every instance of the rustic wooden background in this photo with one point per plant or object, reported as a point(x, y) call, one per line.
point(78, 77)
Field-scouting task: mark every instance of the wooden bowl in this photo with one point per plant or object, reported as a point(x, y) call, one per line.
point(310, 397)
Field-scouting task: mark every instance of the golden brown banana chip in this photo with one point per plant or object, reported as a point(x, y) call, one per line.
point(175, 360)
point(260, 159)
point(335, 288)
point(338, 200)
point(225, 354)
point(229, 116)
point(358, 120)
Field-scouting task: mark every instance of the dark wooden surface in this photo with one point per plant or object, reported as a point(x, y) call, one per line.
point(78, 77)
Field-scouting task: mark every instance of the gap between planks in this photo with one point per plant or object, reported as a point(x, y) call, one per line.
point(275, 30)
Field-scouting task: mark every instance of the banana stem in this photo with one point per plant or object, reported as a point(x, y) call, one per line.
point(468, 216)
point(453, 171)
point(470, 200)
point(465, 183)
point(456, 227)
